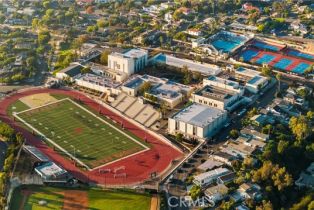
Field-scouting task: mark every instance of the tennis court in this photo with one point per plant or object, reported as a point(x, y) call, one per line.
point(283, 63)
point(301, 54)
point(80, 134)
point(300, 68)
point(266, 46)
point(265, 58)
point(276, 60)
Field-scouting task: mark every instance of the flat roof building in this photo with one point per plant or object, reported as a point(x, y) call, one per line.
point(209, 177)
point(51, 172)
point(129, 62)
point(197, 121)
point(253, 79)
point(97, 83)
point(203, 68)
point(165, 91)
point(217, 97)
point(223, 83)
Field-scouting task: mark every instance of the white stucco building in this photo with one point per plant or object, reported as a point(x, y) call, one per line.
point(197, 121)
point(129, 62)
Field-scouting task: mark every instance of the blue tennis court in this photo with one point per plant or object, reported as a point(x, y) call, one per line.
point(265, 59)
point(283, 63)
point(301, 54)
point(300, 68)
point(247, 55)
point(266, 46)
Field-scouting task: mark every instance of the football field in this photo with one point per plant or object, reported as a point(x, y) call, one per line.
point(80, 134)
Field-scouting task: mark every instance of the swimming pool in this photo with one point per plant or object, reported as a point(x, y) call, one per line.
point(225, 46)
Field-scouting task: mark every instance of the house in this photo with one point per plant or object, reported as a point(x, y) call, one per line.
point(262, 119)
point(194, 32)
point(70, 72)
point(209, 177)
point(185, 11)
point(255, 134)
point(299, 27)
point(168, 17)
point(209, 165)
point(250, 191)
point(216, 193)
point(227, 178)
point(238, 149)
point(223, 157)
point(306, 178)
point(197, 121)
point(249, 7)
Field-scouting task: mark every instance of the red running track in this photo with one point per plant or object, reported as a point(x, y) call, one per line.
point(138, 168)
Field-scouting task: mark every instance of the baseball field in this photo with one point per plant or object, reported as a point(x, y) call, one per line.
point(51, 198)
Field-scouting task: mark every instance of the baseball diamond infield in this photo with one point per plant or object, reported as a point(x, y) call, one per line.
point(152, 156)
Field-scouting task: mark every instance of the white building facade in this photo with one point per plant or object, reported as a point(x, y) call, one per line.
point(197, 121)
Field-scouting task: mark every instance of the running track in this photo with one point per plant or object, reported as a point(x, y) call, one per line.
point(138, 167)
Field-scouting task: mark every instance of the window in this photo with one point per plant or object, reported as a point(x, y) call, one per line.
point(177, 125)
point(194, 130)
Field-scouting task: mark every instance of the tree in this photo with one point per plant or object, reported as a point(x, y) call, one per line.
point(279, 177)
point(266, 205)
point(282, 146)
point(300, 127)
point(266, 71)
point(278, 77)
point(282, 179)
point(195, 192)
point(104, 57)
point(234, 133)
point(145, 87)
point(43, 37)
point(86, 70)
point(187, 75)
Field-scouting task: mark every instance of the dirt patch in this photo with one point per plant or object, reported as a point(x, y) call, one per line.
point(75, 200)
point(36, 100)
point(154, 203)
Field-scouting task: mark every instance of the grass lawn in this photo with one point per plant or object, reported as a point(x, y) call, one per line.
point(119, 200)
point(97, 199)
point(86, 137)
point(52, 196)
point(17, 106)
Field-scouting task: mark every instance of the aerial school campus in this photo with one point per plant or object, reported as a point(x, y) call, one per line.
point(93, 144)
point(142, 105)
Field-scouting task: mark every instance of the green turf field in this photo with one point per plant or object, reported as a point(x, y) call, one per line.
point(97, 199)
point(17, 106)
point(84, 136)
